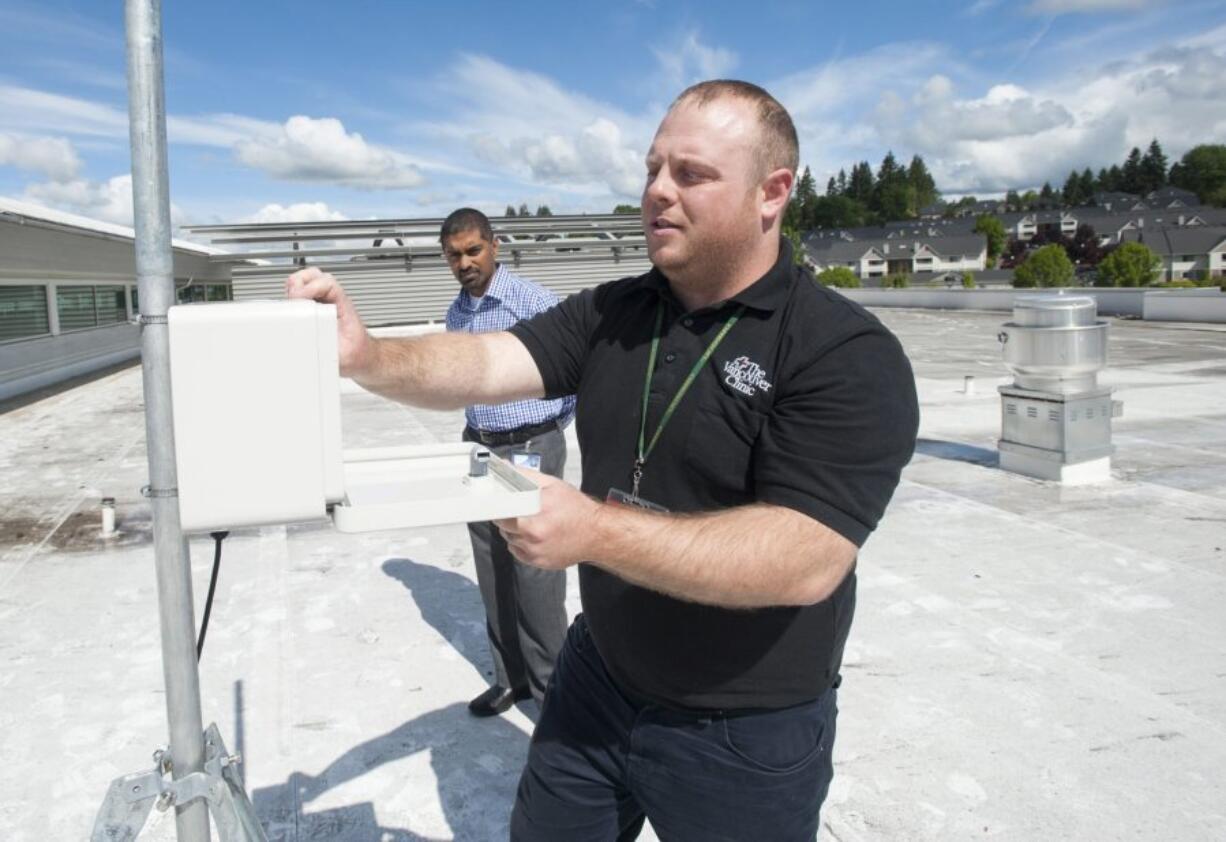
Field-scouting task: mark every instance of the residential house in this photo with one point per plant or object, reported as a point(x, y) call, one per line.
point(886, 256)
point(1118, 202)
point(1192, 253)
point(1172, 197)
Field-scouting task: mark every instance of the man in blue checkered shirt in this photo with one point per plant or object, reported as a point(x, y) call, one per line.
point(524, 610)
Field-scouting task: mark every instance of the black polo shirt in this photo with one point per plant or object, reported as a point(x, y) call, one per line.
point(809, 403)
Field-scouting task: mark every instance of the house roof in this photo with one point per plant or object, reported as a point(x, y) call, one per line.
point(843, 251)
point(949, 246)
point(1196, 240)
point(15, 208)
point(1166, 195)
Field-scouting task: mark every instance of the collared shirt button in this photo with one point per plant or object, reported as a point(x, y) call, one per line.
point(669, 357)
point(687, 321)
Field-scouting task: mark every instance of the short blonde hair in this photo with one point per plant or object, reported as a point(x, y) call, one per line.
point(780, 147)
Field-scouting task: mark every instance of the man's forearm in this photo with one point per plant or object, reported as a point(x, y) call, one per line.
point(449, 370)
point(747, 557)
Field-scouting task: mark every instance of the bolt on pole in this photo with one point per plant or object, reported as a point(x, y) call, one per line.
point(155, 279)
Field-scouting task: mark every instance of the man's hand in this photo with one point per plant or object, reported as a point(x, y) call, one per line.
point(557, 537)
point(355, 346)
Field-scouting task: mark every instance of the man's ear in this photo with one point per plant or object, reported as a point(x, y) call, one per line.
point(775, 190)
point(494, 245)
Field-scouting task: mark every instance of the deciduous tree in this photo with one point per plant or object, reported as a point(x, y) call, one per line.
point(1046, 267)
point(1129, 265)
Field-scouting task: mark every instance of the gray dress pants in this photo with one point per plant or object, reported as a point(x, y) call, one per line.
point(525, 612)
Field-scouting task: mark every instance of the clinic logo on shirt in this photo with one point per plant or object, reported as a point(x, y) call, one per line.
point(746, 376)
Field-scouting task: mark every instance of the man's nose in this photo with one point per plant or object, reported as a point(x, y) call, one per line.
point(661, 188)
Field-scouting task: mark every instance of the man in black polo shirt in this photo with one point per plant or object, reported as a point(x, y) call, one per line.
point(742, 430)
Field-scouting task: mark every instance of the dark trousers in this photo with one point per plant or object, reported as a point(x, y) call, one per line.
point(525, 612)
point(600, 762)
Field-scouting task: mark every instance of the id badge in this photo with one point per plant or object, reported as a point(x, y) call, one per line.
point(526, 459)
point(621, 498)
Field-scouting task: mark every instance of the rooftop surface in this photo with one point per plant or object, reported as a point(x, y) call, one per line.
point(1027, 662)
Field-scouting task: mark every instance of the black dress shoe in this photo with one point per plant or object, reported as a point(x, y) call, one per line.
point(496, 700)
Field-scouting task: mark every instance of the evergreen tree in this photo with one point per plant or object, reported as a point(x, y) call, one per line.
point(893, 197)
point(832, 189)
point(1116, 176)
point(922, 183)
point(1013, 202)
point(860, 186)
point(1071, 193)
point(1176, 176)
point(806, 195)
point(1047, 196)
point(842, 182)
point(1102, 184)
point(1153, 168)
point(543, 210)
point(1132, 181)
point(523, 209)
point(510, 211)
point(889, 173)
point(1087, 186)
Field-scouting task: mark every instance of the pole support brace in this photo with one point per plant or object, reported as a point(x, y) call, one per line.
point(131, 798)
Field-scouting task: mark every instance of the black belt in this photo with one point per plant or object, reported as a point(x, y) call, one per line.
point(499, 438)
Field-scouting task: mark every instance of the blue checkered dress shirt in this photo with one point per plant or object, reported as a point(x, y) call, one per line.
point(508, 299)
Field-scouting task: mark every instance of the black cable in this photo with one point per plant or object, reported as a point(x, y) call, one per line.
point(208, 602)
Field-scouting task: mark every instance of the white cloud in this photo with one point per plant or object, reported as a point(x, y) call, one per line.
point(527, 126)
point(109, 201)
point(29, 110)
point(297, 212)
point(1015, 136)
point(1064, 7)
point(1005, 111)
point(692, 61)
point(980, 6)
point(301, 149)
point(309, 149)
point(54, 157)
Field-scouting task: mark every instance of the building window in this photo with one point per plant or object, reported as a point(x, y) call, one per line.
point(76, 308)
point(217, 292)
point(23, 312)
point(110, 304)
point(189, 293)
point(82, 307)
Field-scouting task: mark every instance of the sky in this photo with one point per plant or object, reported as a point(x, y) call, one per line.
point(309, 110)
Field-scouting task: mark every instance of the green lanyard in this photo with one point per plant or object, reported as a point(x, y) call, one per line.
point(644, 452)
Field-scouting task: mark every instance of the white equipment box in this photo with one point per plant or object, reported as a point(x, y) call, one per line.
point(256, 400)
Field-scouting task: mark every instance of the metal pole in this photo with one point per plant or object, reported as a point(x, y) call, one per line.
point(155, 277)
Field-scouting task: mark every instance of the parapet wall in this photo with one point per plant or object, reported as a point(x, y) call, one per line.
point(1175, 305)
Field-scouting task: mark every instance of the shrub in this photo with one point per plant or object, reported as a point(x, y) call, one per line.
point(1129, 265)
point(1047, 267)
point(838, 276)
point(968, 280)
point(1182, 283)
point(899, 281)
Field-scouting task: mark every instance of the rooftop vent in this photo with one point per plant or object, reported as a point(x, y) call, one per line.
point(1055, 419)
